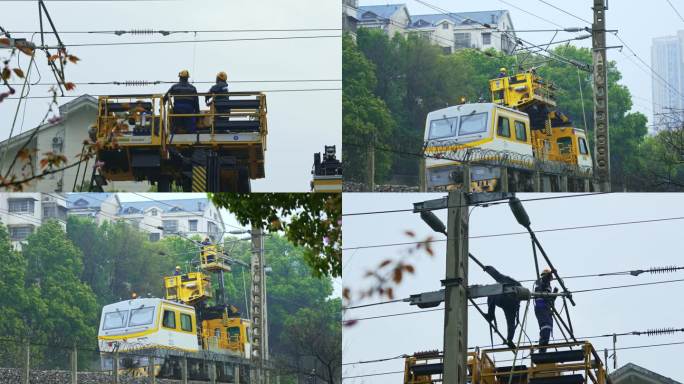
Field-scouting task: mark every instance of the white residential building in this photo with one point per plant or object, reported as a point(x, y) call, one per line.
point(159, 218)
point(349, 16)
point(391, 18)
point(668, 63)
point(66, 137)
point(452, 31)
point(23, 212)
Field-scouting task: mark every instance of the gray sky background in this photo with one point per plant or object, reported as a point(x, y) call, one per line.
point(576, 252)
point(637, 29)
point(300, 123)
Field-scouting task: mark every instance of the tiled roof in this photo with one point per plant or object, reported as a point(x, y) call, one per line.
point(461, 18)
point(86, 200)
point(381, 11)
point(630, 369)
point(180, 205)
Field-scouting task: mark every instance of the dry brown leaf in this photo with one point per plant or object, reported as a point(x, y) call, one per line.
point(18, 72)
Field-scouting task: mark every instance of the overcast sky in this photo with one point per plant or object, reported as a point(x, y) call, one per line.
point(637, 29)
point(300, 123)
point(576, 252)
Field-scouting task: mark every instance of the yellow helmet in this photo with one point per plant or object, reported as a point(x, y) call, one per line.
point(178, 267)
point(222, 76)
point(546, 271)
point(502, 69)
point(184, 73)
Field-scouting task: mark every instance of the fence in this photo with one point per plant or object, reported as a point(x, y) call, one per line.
point(23, 362)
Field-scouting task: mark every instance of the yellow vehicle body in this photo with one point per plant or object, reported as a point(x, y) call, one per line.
point(579, 360)
point(522, 89)
point(187, 288)
point(226, 334)
point(212, 260)
point(140, 137)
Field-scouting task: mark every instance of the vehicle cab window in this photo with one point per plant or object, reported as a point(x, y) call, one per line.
point(169, 319)
point(584, 150)
point(186, 322)
point(564, 145)
point(520, 131)
point(504, 128)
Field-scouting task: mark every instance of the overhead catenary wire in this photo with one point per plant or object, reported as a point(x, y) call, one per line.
point(477, 204)
point(263, 90)
point(573, 292)
point(520, 233)
point(239, 39)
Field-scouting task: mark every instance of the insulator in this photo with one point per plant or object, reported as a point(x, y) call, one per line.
point(659, 331)
point(141, 31)
point(667, 269)
point(136, 83)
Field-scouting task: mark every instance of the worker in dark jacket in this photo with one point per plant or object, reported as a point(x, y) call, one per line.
point(219, 89)
point(543, 307)
point(185, 101)
point(509, 302)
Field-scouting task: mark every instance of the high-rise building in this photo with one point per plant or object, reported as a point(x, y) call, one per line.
point(667, 81)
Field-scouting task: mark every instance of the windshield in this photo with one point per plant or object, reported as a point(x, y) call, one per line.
point(443, 128)
point(474, 123)
point(116, 319)
point(141, 316)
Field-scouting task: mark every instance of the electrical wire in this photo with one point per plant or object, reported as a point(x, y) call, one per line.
point(564, 11)
point(477, 204)
point(574, 292)
point(167, 32)
point(264, 91)
point(520, 233)
point(109, 44)
point(676, 11)
point(371, 374)
point(155, 82)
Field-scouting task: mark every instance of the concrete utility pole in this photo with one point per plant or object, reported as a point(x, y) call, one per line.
point(456, 295)
point(600, 74)
point(259, 312)
point(371, 163)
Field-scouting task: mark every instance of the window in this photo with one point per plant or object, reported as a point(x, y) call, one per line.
point(192, 225)
point(212, 227)
point(504, 128)
point(141, 316)
point(584, 150)
point(462, 40)
point(19, 233)
point(21, 205)
point(520, 131)
point(234, 334)
point(486, 38)
point(170, 226)
point(565, 145)
point(186, 322)
point(443, 128)
point(116, 319)
point(473, 123)
point(445, 25)
point(154, 237)
point(169, 319)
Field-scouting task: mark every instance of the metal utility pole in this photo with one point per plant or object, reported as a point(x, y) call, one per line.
point(600, 75)
point(259, 312)
point(456, 294)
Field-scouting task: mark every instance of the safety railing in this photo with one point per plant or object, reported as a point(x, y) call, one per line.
point(232, 118)
point(130, 120)
point(575, 362)
point(211, 259)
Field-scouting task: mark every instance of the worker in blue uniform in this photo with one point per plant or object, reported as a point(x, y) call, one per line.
point(508, 302)
point(543, 308)
point(185, 101)
point(177, 272)
point(217, 92)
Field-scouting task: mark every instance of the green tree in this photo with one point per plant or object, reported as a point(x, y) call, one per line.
point(365, 117)
point(310, 220)
point(316, 333)
point(54, 266)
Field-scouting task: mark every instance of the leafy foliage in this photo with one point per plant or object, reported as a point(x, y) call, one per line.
point(310, 220)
